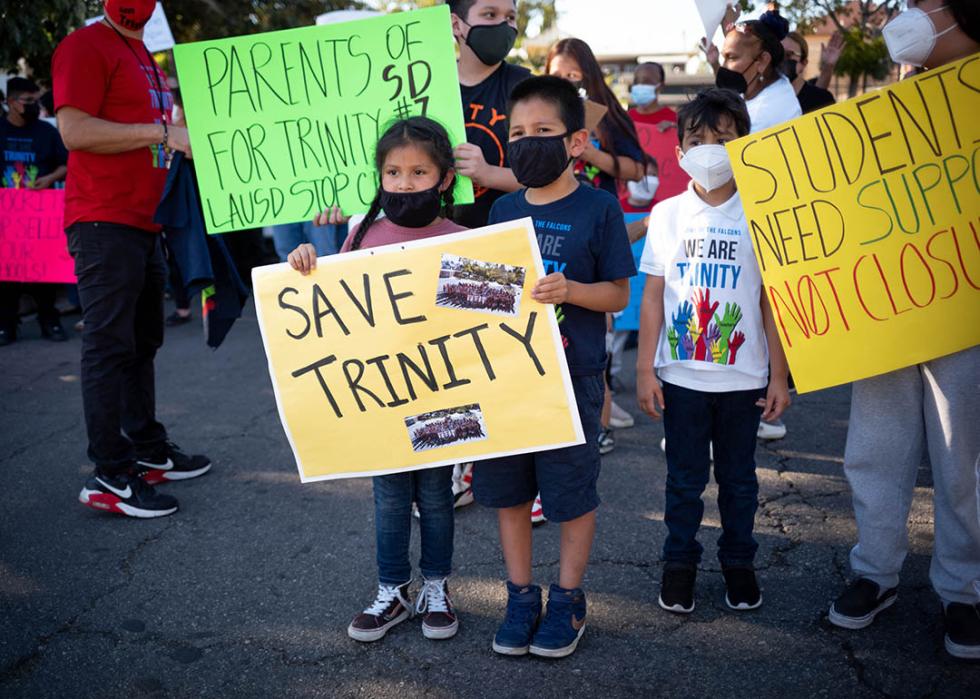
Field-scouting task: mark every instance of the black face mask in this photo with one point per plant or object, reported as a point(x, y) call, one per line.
point(538, 160)
point(412, 209)
point(31, 112)
point(491, 42)
point(731, 80)
point(790, 68)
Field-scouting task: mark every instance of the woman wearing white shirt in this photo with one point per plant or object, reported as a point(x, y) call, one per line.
point(750, 64)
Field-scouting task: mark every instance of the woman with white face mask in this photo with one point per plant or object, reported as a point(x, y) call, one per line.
point(933, 405)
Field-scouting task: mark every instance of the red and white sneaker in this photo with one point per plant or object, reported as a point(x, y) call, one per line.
point(462, 485)
point(126, 494)
point(537, 512)
point(169, 463)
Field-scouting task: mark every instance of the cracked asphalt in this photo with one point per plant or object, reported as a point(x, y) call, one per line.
point(247, 590)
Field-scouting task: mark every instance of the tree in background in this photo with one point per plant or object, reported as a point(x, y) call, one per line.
point(859, 21)
point(30, 30)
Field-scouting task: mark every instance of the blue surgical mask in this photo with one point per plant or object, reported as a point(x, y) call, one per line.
point(642, 95)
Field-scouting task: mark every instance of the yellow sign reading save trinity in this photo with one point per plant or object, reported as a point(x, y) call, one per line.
point(865, 219)
point(412, 356)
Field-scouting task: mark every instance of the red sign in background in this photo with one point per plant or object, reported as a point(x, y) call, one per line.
point(33, 246)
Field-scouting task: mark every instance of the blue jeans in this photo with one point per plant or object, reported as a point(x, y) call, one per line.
point(729, 421)
point(432, 490)
point(326, 239)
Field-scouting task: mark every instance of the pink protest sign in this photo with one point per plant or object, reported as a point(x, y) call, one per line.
point(33, 246)
point(660, 146)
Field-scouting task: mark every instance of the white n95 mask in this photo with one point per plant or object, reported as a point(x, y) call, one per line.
point(708, 166)
point(911, 36)
point(645, 189)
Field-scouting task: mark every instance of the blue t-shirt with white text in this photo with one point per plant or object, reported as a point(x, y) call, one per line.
point(584, 237)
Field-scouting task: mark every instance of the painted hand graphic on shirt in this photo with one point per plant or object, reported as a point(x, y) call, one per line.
point(697, 332)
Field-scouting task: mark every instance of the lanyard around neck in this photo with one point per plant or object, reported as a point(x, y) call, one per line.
point(152, 66)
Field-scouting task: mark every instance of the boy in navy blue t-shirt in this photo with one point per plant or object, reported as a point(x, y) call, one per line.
point(587, 256)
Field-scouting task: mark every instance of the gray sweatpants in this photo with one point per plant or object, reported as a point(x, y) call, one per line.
point(935, 405)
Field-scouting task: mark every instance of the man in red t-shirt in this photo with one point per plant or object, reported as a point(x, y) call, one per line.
point(113, 109)
point(648, 80)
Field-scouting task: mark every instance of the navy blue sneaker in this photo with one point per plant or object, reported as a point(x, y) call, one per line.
point(523, 613)
point(563, 625)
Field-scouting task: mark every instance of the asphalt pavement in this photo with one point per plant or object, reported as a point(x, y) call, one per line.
point(247, 591)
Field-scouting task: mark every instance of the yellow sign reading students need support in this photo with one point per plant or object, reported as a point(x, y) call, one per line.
point(865, 219)
point(412, 356)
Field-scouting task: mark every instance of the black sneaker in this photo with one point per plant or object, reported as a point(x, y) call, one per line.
point(436, 607)
point(175, 319)
point(169, 463)
point(7, 336)
point(126, 494)
point(741, 589)
point(391, 607)
point(677, 587)
point(860, 603)
point(53, 332)
point(962, 630)
point(606, 441)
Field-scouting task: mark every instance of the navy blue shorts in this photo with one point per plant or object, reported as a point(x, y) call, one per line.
point(566, 478)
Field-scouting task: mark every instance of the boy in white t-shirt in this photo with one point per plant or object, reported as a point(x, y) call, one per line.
point(706, 325)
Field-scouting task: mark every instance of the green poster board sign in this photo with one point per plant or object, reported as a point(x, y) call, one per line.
point(284, 124)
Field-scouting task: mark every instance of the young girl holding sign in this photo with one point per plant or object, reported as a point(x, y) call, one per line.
point(415, 160)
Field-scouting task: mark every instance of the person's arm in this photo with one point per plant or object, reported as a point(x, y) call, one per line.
point(777, 395)
point(605, 297)
point(471, 163)
point(84, 132)
point(56, 175)
point(648, 391)
point(638, 229)
point(629, 169)
point(829, 55)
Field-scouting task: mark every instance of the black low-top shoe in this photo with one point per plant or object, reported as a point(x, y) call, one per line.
point(860, 603)
point(677, 587)
point(168, 463)
point(962, 630)
point(741, 589)
point(53, 332)
point(126, 494)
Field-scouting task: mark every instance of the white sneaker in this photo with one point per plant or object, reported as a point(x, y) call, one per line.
point(771, 430)
point(619, 419)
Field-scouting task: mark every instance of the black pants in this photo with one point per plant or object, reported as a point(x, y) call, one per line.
point(121, 275)
point(44, 296)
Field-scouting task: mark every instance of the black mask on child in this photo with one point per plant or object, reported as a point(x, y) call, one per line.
point(412, 209)
point(538, 160)
point(491, 42)
point(31, 113)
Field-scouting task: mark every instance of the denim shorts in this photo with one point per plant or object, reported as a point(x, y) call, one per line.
point(566, 478)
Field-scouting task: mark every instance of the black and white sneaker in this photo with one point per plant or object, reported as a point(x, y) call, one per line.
point(962, 638)
point(391, 607)
point(126, 494)
point(677, 588)
point(741, 589)
point(860, 603)
point(169, 463)
point(439, 619)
